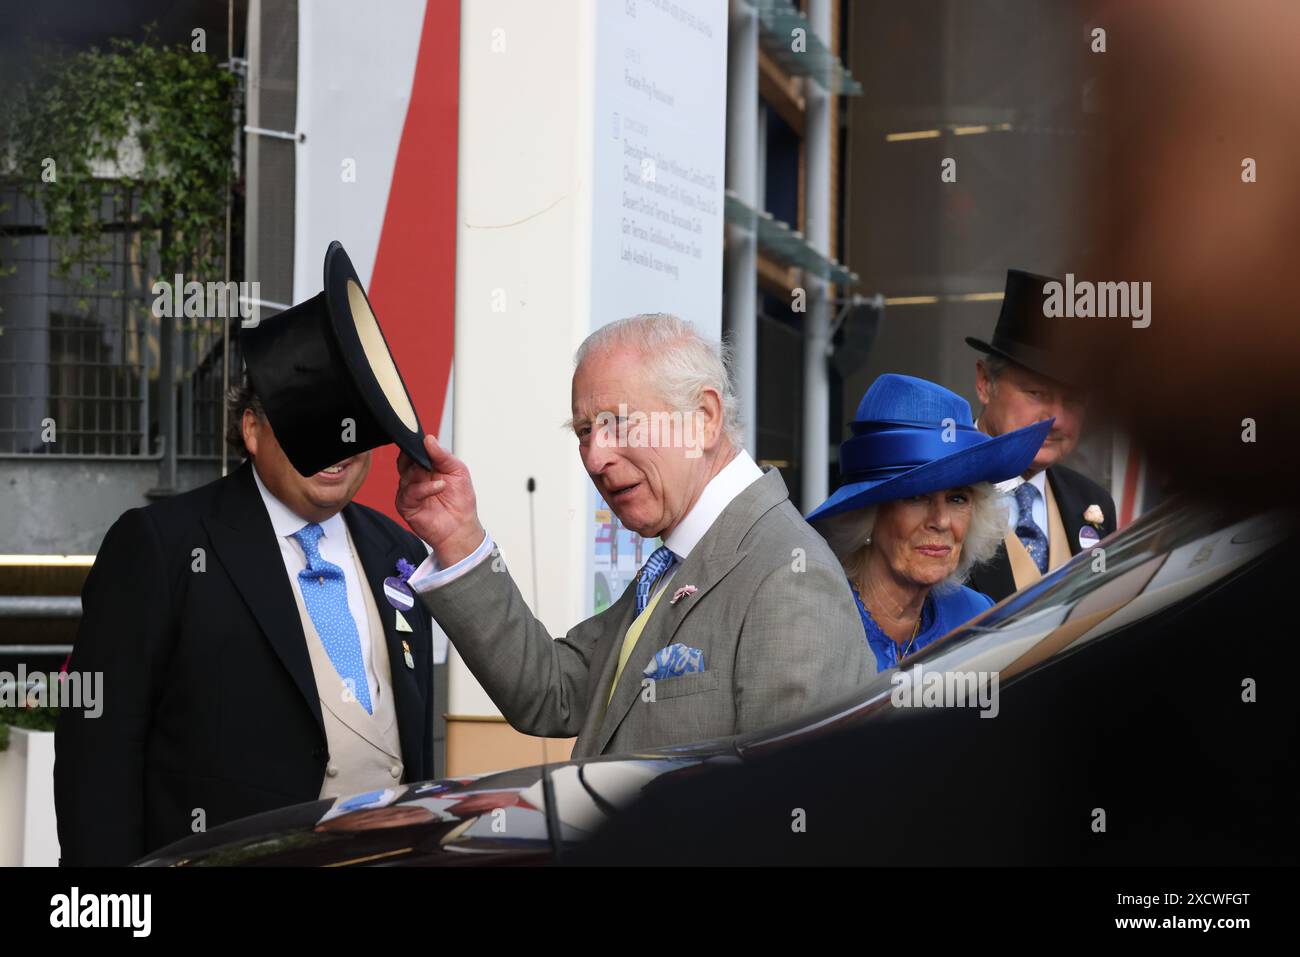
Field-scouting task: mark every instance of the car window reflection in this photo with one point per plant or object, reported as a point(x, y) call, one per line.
point(1166, 556)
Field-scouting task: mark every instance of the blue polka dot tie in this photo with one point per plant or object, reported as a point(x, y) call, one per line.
point(325, 593)
point(1031, 536)
point(650, 572)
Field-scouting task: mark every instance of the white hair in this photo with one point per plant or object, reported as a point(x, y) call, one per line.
point(994, 366)
point(680, 362)
point(849, 535)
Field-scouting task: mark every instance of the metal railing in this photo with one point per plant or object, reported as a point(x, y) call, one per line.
point(83, 365)
point(38, 606)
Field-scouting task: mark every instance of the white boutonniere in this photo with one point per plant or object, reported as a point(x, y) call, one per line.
point(1090, 534)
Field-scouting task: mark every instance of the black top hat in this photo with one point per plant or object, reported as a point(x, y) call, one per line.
point(326, 377)
point(1022, 334)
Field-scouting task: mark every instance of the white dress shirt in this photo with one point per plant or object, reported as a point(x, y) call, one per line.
point(335, 547)
point(736, 476)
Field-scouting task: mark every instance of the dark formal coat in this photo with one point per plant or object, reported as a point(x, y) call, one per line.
point(1074, 492)
point(210, 703)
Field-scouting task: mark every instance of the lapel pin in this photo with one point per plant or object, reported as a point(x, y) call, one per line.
point(682, 593)
point(401, 622)
point(406, 653)
point(396, 590)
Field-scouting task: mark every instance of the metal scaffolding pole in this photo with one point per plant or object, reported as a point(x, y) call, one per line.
point(816, 390)
point(742, 179)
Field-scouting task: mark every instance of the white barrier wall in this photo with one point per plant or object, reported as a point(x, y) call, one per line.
point(29, 835)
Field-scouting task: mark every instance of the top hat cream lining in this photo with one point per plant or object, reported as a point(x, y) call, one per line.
point(377, 354)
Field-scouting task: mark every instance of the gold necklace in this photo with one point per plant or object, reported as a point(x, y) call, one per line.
point(857, 593)
point(915, 631)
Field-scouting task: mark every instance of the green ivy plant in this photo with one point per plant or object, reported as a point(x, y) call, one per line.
point(30, 719)
point(160, 116)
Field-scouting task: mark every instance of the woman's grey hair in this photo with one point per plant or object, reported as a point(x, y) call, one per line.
point(849, 535)
point(680, 361)
point(240, 396)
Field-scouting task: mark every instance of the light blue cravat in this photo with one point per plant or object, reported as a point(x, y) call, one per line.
point(650, 572)
point(325, 593)
point(1031, 536)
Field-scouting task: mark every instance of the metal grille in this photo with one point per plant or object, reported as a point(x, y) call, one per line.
point(79, 365)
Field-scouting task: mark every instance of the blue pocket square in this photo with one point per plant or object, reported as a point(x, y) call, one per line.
point(673, 661)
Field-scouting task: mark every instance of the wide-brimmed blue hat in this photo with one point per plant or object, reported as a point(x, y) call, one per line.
point(912, 437)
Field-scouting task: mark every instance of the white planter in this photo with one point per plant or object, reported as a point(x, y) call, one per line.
point(28, 836)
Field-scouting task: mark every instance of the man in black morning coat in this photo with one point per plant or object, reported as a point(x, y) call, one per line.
point(213, 704)
point(1056, 512)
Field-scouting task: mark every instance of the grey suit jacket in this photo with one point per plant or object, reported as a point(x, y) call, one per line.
point(773, 615)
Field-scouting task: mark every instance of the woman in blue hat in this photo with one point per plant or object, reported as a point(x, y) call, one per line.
point(916, 510)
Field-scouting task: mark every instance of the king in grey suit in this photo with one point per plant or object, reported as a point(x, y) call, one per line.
point(769, 613)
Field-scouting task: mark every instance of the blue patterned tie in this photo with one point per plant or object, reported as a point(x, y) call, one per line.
point(325, 593)
point(650, 573)
point(1031, 536)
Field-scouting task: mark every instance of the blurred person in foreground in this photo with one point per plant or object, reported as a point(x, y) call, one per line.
point(1208, 390)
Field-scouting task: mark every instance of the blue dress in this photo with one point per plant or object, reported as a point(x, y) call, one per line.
point(940, 614)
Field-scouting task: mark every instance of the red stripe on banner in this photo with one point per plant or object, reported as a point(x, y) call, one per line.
point(413, 283)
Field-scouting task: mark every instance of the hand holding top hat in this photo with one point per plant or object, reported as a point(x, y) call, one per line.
point(439, 503)
point(326, 377)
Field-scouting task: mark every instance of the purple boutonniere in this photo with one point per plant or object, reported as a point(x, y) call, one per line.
point(396, 589)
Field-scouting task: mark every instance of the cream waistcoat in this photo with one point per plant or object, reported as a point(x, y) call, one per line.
point(365, 750)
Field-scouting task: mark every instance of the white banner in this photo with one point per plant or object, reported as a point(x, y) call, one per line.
point(355, 67)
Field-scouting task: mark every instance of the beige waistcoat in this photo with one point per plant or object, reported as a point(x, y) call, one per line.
point(365, 750)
